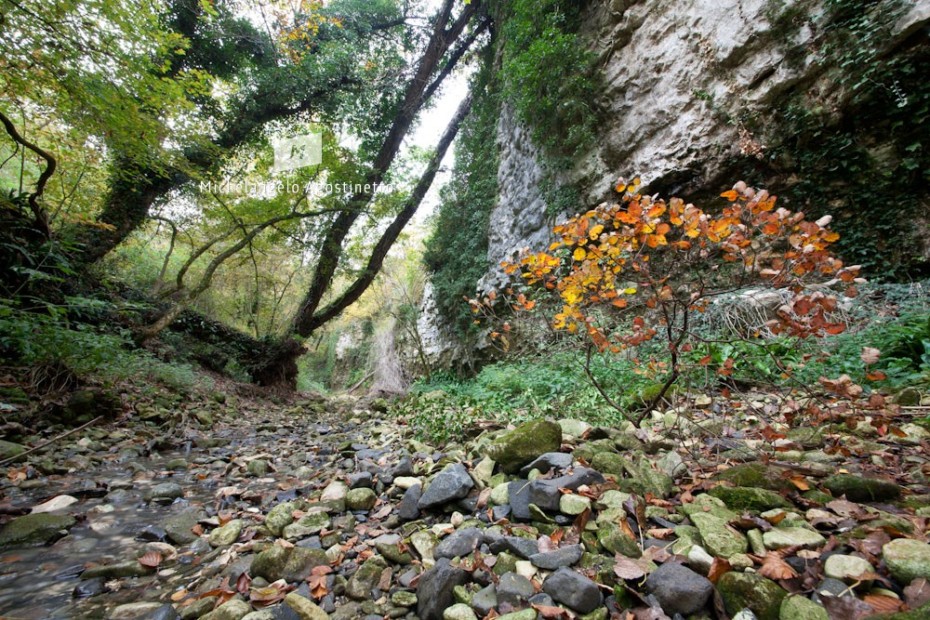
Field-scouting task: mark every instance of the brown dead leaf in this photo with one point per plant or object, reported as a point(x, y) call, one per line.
point(846, 608)
point(883, 604)
point(718, 568)
point(774, 567)
point(317, 581)
point(800, 482)
point(549, 612)
point(628, 568)
point(662, 533)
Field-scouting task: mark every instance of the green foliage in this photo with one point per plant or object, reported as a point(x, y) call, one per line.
point(456, 252)
point(549, 74)
point(57, 334)
point(553, 386)
point(867, 166)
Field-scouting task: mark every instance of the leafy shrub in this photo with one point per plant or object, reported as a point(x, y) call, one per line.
point(641, 270)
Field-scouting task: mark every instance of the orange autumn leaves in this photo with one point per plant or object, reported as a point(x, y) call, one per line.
point(647, 254)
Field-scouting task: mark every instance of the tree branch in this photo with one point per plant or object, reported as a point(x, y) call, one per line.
point(39, 214)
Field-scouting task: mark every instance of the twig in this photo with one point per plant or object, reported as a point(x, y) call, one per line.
point(50, 441)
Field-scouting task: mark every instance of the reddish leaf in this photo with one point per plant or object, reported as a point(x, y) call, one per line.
point(774, 567)
point(151, 559)
point(918, 593)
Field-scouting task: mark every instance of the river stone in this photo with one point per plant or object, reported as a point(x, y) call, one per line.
point(570, 504)
point(361, 499)
point(548, 461)
point(9, 450)
point(719, 539)
point(408, 509)
point(781, 537)
point(573, 428)
point(305, 608)
point(523, 444)
point(167, 612)
point(460, 543)
point(117, 571)
point(403, 598)
point(846, 567)
point(165, 491)
point(450, 484)
point(523, 547)
point(300, 562)
point(710, 505)
point(459, 611)
point(563, 556)
point(800, 608)
point(755, 475)
point(365, 579)
point(514, 589)
point(227, 534)
point(276, 561)
point(233, 609)
point(279, 517)
point(615, 540)
point(179, 526)
point(907, 559)
point(485, 600)
point(335, 491)
point(747, 498)
point(134, 611)
point(750, 590)
point(257, 468)
point(35, 529)
point(308, 525)
point(859, 489)
point(679, 589)
point(434, 590)
point(574, 590)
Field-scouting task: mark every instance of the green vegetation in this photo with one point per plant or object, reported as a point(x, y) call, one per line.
point(892, 318)
point(876, 154)
point(456, 253)
point(549, 74)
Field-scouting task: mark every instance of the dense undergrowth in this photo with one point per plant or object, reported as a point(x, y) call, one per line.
point(891, 318)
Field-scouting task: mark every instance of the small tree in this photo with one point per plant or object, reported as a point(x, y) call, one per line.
point(628, 273)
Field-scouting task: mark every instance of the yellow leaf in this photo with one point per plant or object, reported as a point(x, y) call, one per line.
point(579, 254)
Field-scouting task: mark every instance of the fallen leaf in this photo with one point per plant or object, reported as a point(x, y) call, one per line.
point(869, 355)
point(918, 593)
point(548, 612)
point(151, 559)
point(628, 568)
point(846, 608)
point(717, 569)
point(774, 567)
point(883, 604)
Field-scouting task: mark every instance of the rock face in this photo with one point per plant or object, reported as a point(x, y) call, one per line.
point(663, 124)
point(675, 76)
point(450, 484)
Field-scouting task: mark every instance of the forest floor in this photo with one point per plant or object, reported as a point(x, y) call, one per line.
point(314, 509)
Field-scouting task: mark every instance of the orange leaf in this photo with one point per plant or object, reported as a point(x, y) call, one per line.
point(151, 559)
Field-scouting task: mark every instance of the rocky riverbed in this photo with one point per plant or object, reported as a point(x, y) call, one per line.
point(314, 510)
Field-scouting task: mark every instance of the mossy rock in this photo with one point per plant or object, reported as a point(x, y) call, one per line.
point(719, 539)
point(590, 449)
point(35, 529)
point(615, 540)
point(748, 498)
point(755, 475)
point(740, 591)
point(10, 450)
point(859, 489)
point(518, 447)
point(907, 559)
point(801, 608)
